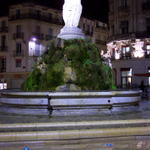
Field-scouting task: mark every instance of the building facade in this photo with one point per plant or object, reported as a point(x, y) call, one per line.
point(25, 33)
point(129, 42)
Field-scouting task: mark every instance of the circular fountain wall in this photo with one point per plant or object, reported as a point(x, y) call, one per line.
point(65, 103)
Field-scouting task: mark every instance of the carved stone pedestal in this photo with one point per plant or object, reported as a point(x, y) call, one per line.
point(67, 33)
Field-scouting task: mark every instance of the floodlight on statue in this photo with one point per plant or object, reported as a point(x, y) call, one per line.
point(72, 10)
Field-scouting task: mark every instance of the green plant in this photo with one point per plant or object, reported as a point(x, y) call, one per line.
point(82, 56)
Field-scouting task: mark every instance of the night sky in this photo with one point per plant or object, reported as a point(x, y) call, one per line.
point(93, 9)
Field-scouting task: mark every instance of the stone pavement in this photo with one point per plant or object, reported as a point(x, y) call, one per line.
point(104, 131)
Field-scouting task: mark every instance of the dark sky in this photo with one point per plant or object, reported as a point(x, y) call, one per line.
point(93, 9)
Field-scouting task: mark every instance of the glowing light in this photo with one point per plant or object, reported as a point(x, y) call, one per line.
point(34, 39)
point(138, 52)
point(117, 55)
point(36, 49)
point(32, 46)
point(3, 86)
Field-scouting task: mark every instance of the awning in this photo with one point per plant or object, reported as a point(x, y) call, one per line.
point(142, 74)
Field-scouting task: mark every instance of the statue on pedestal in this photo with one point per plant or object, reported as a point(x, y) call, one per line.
point(72, 10)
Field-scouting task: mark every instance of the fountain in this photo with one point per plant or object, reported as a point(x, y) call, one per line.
point(72, 74)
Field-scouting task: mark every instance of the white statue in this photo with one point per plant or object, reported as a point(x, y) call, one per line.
point(72, 10)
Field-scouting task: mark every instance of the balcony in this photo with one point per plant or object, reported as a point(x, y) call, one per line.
point(3, 48)
point(19, 35)
point(127, 36)
point(39, 36)
point(3, 29)
point(44, 18)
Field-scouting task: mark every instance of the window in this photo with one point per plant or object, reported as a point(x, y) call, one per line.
point(50, 31)
point(148, 25)
point(149, 77)
point(49, 36)
point(38, 13)
point(126, 77)
point(115, 75)
point(37, 50)
point(3, 24)
point(147, 51)
point(18, 49)
point(112, 29)
point(50, 16)
point(38, 29)
point(3, 85)
point(126, 53)
point(18, 63)
point(18, 13)
point(84, 26)
point(3, 41)
point(18, 28)
point(124, 26)
point(146, 5)
point(2, 64)
point(123, 3)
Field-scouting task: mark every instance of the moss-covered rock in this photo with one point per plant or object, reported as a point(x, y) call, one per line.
point(89, 72)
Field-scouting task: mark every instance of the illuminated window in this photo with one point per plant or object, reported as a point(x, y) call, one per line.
point(126, 77)
point(3, 85)
point(147, 51)
point(37, 50)
point(149, 77)
point(18, 63)
point(126, 53)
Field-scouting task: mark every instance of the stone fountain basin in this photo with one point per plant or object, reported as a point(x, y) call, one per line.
point(47, 102)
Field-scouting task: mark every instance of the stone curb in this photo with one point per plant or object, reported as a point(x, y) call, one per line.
point(79, 123)
point(74, 134)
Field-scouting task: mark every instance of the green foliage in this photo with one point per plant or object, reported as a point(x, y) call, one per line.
point(83, 56)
